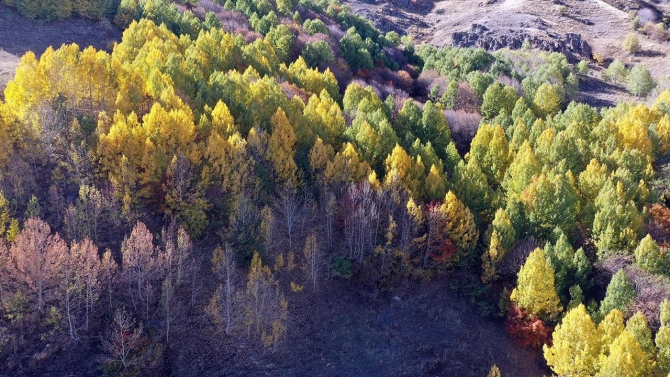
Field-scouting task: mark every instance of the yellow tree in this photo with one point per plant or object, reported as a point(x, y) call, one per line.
point(490, 148)
point(324, 115)
point(410, 173)
point(436, 184)
point(626, 358)
point(521, 171)
point(610, 328)
point(346, 167)
point(576, 345)
point(460, 223)
point(319, 156)
point(282, 150)
point(535, 289)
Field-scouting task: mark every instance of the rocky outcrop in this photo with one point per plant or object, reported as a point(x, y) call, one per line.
point(572, 45)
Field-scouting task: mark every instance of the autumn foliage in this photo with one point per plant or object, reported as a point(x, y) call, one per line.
point(527, 329)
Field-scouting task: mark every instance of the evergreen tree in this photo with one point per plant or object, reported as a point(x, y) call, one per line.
point(620, 294)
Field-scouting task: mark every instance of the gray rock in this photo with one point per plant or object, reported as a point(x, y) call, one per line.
point(479, 36)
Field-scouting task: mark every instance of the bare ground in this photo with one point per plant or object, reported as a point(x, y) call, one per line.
point(417, 329)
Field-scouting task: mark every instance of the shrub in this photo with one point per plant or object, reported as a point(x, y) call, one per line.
point(562, 10)
point(342, 267)
point(631, 44)
point(526, 330)
point(658, 31)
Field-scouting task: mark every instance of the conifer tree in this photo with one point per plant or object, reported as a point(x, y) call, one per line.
point(626, 358)
point(637, 325)
point(460, 224)
point(490, 148)
point(650, 257)
point(282, 150)
point(620, 294)
point(576, 345)
point(535, 290)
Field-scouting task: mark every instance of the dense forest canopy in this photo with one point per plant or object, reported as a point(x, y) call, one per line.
point(273, 147)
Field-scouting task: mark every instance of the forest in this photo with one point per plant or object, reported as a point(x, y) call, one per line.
point(226, 160)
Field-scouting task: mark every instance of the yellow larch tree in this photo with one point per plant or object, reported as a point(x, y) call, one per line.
point(535, 289)
point(281, 150)
point(576, 345)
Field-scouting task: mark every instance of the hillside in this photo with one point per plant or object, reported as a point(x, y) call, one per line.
point(254, 187)
point(602, 24)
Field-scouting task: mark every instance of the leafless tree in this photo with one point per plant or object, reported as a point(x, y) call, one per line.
point(108, 275)
point(224, 306)
point(289, 207)
point(37, 256)
point(361, 215)
point(313, 260)
point(141, 267)
point(124, 340)
point(79, 288)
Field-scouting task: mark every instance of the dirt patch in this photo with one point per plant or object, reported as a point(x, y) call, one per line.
point(19, 35)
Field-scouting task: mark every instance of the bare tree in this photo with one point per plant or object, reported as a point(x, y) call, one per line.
point(361, 214)
point(224, 306)
point(108, 275)
point(79, 288)
point(331, 215)
point(37, 256)
point(141, 267)
point(265, 306)
point(289, 207)
point(313, 259)
point(177, 249)
point(269, 229)
point(123, 342)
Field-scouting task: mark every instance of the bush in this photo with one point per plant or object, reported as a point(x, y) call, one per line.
point(658, 31)
point(527, 330)
point(631, 44)
point(562, 10)
point(639, 81)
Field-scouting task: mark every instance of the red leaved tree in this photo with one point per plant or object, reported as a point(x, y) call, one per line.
point(526, 329)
